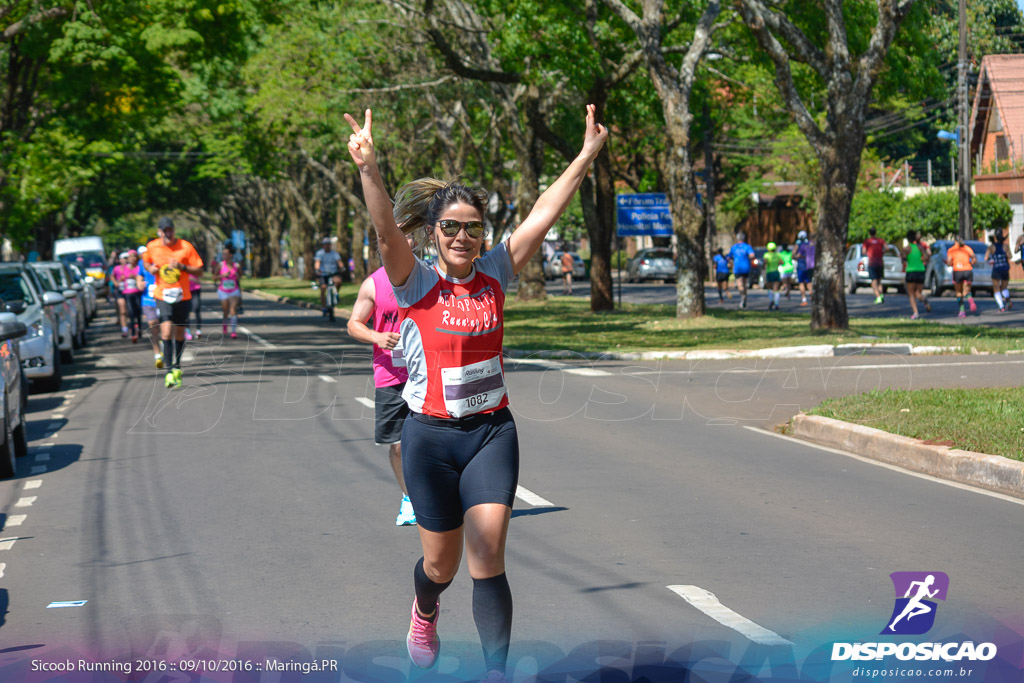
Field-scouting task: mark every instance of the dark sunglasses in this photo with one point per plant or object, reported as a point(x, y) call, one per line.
point(451, 227)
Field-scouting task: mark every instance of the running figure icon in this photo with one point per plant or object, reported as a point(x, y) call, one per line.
point(915, 607)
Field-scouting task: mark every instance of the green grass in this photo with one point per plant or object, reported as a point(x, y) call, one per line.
point(980, 420)
point(567, 323)
point(299, 289)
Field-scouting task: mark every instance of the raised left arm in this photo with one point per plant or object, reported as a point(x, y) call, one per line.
point(527, 238)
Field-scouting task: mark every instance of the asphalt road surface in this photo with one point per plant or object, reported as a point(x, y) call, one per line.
point(249, 517)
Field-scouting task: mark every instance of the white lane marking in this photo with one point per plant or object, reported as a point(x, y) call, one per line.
point(38, 469)
point(565, 367)
point(69, 395)
point(42, 457)
point(328, 379)
point(296, 361)
point(54, 426)
point(188, 355)
point(48, 444)
point(707, 603)
point(531, 498)
point(67, 603)
point(57, 416)
point(259, 340)
point(368, 402)
point(7, 543)
point(894, 468)
point(25, 502)
point(2, 568)
point(15, 520)
point(33, 483)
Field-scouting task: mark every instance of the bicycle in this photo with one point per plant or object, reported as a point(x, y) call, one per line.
point(330, 297)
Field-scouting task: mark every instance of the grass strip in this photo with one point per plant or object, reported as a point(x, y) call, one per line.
point(567, 323)
point(979, 420)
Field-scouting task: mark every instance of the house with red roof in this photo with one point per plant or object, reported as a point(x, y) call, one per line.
point(997, 138)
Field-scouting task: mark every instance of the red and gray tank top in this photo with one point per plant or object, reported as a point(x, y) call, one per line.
point(451, 336)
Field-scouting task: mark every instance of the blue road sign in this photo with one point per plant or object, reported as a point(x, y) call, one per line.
point(643, 214)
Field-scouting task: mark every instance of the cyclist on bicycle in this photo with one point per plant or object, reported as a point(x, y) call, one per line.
point(325, 263)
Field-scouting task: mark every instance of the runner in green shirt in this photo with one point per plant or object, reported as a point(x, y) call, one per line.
point(915, 257)
point(787, 270)
point(772, 276)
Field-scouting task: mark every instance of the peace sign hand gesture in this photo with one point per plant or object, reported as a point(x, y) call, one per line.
point(360, 143)
point(595, 136)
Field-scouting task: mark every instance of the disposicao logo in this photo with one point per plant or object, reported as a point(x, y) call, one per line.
point(914, 612)
point(914, 615)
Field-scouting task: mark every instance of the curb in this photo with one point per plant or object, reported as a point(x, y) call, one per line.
point(992, 472)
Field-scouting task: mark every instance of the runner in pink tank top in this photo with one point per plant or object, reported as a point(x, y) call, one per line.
point(376, 303)
point(226, 275)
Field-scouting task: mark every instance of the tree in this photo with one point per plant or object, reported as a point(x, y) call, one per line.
point(674, 85)
point(847, 63)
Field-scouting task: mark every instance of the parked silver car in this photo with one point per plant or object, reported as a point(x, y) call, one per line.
point(855, 268)
point(40, 356)
point(553, 268)
point(13, 442)
point(652, 264)
point(938, 277)
point(88, 289)
point(67, 316)
point(73, 292)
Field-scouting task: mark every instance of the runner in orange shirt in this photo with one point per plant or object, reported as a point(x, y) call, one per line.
point(961, 259)
point(172, 261)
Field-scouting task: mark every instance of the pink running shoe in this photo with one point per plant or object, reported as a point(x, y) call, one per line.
point(422, 641)
point(974, 306)
point(234, 335)
point(961, 314)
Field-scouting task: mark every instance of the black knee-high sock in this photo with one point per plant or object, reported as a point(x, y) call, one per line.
point(492, 612)
point(168, 352)
point(427, 591)
point(179, 346)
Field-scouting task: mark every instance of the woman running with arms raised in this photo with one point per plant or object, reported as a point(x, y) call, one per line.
point(460, 451)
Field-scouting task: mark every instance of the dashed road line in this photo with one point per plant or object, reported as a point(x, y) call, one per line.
point(38, 469)
point(42, 457)
point(53, 426)
point(368, 402)
point(328, 379)
point(2, 568)
point(15, 520)
point(33, 483)
point(259, 340)
point(25, 502)
point(531, 498)
point(296, 361)
point(564, 367)
point(707, 603)
point(7, 543)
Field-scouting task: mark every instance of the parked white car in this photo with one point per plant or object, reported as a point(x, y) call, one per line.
point(67, 314)
point(40, 357)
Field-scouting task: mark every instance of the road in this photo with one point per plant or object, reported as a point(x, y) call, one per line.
point(249, 517)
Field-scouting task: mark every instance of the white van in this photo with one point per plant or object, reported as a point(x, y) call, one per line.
point(87, 252)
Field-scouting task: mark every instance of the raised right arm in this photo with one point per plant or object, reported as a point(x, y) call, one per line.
point(395, 252)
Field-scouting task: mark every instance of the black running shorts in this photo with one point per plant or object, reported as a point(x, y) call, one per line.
point(176, 313)
point(390, 411)
point(452, 465)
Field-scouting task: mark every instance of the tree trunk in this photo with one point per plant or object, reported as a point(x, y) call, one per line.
point(687, 219)
point(840, 164)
